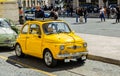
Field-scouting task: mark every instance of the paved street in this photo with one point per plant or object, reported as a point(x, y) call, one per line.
point(14, 66)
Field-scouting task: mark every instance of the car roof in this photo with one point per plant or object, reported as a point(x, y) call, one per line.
point(44, 21)
point(2, 18)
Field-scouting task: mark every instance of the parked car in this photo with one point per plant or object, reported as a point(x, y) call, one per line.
point(112, 6)
point(51, 40)
point(7, 34)
point(90, 8)
point(31, 14)
point(12, 25)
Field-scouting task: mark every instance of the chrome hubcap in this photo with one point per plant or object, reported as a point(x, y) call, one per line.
point(18, 50)
point(48, 58)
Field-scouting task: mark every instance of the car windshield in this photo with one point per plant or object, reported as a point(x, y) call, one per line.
point(56, 27)
point(4, 23)
point(10, 22)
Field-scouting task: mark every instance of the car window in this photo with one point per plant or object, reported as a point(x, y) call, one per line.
point(25, 29)
point(56, 27)
point(35, 29)
point(4, 23)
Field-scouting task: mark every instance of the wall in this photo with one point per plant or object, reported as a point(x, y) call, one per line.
point(9, 10)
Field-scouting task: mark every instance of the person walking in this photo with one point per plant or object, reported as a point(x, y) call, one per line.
point(53, 14)
point(102, 14)
point(108, 12)
point(85, 14)
point(117, 14)
point(77, 14)
point(71, 11)
point(80, 12)
point(21, 17)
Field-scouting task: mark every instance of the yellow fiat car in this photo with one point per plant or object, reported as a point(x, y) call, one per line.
point(50, 40)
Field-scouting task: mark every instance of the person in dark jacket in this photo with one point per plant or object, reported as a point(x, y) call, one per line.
point(53, 14)
point(117, 14)
point(39, 13)
point(81, 14)
point(108, 13)
point(77, 14)
point(85, 14)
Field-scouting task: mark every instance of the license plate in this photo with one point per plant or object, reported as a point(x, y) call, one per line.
point(67, 60)
point(83, 57)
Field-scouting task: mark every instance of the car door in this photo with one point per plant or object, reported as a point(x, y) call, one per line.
point(23, 37)
point(34, 40)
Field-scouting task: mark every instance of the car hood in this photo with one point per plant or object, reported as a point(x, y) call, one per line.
point(7, 34)
point(6, 31)
point(64, 38)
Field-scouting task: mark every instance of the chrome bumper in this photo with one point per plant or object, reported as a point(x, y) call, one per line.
point(78, 54)
point(11, 44)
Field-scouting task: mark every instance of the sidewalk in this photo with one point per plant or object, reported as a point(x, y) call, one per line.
point(103, 48)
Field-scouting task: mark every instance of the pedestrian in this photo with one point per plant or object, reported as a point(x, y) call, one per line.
point(85, 14)
point(80, 12)
point(108, 12)
point(117, 14)
point(39, 13)
point(77, 14)
point(102, 14)
point(53, 14)
point(68, 11)
point(63, 11)
point(21, 20)
point(21, 17)
point(71, 11)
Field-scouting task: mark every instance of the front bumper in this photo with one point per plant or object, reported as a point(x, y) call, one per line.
point(9, 44)
point(77, 55)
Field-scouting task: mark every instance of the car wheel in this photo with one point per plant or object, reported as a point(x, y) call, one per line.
point(18, 51)
point(49, 60)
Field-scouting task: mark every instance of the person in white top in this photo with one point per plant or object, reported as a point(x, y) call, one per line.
point(102, 14)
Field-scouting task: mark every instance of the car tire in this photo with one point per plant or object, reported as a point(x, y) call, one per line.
point(18, 51)
point(49, 60)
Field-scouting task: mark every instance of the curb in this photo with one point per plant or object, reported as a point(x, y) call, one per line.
point(104, 59)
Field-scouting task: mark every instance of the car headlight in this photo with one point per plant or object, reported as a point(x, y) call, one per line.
point(62, 47)
point(85, 44)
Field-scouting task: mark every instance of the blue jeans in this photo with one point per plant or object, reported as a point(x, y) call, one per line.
point(77, 17)
point(102, 16)
point(85, 17)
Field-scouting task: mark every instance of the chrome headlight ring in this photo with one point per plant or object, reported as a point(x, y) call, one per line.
point(62, 47)
point(84, 44)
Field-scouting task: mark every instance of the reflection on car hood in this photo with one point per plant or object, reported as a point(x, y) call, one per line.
point(63, 38)
point(6, 31)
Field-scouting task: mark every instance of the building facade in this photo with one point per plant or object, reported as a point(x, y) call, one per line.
point(100, 3)
point(31, 3)
point(74, 3)
point(9, 9)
